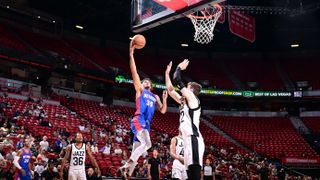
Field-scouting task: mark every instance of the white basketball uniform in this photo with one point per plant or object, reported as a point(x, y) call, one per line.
point(77, 169)
point(178, 169)
point(192, 138)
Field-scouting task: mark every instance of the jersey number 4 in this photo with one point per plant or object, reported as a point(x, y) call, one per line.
point(77, 161)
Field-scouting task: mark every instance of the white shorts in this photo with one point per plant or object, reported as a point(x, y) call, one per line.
point(77, 174)
point(179, 174)
point(193, 150)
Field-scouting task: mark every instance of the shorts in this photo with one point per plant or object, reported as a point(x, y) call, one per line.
point(193, 150)
point(77, 174)
point(137, 124)
point(179, 174)
point(18, 176)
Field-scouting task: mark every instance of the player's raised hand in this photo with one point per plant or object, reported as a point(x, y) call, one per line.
point(169, 68)
point(184, 64)
point(132, 47)
point(164, 94)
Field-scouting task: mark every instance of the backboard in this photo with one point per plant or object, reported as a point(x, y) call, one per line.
point(147, 14)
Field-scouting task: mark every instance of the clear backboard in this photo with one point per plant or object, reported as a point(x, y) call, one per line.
point(147, 14)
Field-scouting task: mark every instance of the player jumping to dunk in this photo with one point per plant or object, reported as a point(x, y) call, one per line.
point(146, 102)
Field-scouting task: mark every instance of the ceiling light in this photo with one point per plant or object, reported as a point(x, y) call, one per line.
point(38, 17)
point(53, 21)
point(184, 45)
point(79, 27)
point(295, 45)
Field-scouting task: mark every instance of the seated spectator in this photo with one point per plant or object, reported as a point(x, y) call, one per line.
point(106, 150)
point(42, 156)
point(39, 168)
point(91, 175)
point(119, 139)
point(94, 148)
point(118, 150)
point(20, 143)
point(81, 127)
point(58, 145)
point(44, 144)
point(50, 173)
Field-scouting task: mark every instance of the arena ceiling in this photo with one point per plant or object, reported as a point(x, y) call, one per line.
point(110, 19)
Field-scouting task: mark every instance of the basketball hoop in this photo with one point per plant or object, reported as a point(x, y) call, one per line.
point(204, 22)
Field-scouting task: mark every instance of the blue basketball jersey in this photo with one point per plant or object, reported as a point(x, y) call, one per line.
point(25, 158)
point(24, 163)
point(146, 105)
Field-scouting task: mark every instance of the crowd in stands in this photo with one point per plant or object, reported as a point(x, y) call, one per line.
point(47, 152)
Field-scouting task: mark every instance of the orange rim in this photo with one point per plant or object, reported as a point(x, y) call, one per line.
point(207, 17)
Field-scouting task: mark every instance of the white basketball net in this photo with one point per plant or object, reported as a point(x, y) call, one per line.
point(204, 22)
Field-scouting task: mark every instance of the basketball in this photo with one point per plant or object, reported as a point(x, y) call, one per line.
point(139, 41)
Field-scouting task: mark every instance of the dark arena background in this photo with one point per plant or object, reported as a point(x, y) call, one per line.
point(65, 69)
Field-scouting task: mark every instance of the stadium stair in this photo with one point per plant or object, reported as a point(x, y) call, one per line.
point(223, 134)
point(238, 84)
point(299, 125)
point(284, 77)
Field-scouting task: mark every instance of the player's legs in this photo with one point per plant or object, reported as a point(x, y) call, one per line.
point(176, 173)
point(193, 156)
point(136, 144)
point(145, 143)
point(194, 172)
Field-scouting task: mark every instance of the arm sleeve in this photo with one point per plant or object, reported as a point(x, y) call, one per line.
point(16, 162)
point(177, 78)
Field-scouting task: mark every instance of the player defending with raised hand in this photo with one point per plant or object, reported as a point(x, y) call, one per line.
point(190, 112)
point(176, 152)
point(21, 161)
point(77, 153)
point(146, 102)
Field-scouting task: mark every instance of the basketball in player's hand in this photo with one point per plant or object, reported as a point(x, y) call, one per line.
point(138, 41)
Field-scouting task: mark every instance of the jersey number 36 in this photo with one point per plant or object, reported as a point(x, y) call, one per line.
point(77, 161)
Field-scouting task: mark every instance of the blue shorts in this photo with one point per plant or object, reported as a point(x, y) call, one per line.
point(137, 124)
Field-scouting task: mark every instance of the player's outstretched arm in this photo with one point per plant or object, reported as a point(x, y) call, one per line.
point(172, 93)
point(135, 76)
point(173, 150)
point(93, 160)
point(191, 98)
point(64, 160)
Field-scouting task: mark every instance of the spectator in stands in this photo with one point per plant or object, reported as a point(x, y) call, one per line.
point(20, 143)
point(154, 166)
point(58, 145)
point(87, 128)
point(8, 175)
point(91, 175)
point(81, 127)
point(263, 172)
point(42, 156)
point(38, 169)
point(106, 150)
point(44, 144)
point(94, 148)
point(118, 150)
point(4, 130)
point(119, 139)
point(49, 173)
point(102, 134)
